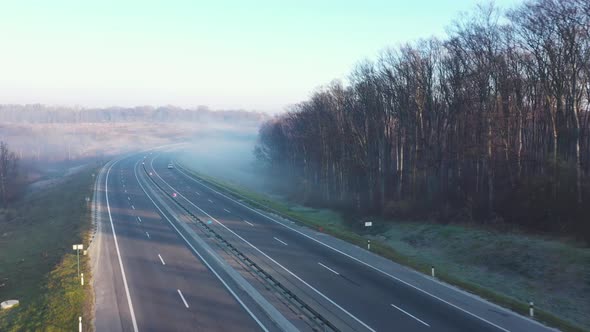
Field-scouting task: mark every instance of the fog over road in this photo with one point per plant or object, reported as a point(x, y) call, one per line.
point(161, 262)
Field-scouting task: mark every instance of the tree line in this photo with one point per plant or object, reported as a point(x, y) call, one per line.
point(490, 124)
point(37, 113)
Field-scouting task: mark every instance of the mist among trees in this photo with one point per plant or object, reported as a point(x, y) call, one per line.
point(490, 125)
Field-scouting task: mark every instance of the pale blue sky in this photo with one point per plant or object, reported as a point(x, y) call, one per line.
point(226, 54)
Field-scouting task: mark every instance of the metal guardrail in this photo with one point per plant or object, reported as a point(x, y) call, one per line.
point(322, 324)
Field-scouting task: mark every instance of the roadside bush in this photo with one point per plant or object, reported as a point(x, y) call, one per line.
point(406, 209)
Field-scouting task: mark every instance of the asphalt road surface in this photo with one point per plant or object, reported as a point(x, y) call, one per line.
point(147, 278)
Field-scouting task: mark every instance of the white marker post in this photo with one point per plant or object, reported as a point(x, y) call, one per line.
point(531, 309)
point(78, 247)
point(432, 271)
point(80, 324)
point(82, 279)
point(368, 224)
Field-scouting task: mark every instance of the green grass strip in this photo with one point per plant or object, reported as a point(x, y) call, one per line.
point(37, 263)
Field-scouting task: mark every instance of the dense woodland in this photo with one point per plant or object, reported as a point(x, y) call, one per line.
point(490, 125)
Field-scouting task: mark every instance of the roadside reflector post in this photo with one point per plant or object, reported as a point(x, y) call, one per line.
point(368, 244)
point(80, 324)
point(78, 247)
point(432, 271)
point(82, 279)
point(531, 309)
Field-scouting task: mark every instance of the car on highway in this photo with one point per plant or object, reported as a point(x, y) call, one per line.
point(170, 166)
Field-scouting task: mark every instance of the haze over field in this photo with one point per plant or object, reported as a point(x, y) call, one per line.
point(49, 141)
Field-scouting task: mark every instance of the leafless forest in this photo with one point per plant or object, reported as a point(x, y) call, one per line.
point(490, 125)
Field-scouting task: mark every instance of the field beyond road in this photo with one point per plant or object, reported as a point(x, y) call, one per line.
point(37, 264)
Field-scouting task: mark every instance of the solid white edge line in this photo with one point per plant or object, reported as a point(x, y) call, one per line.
point(329, 269)
point(267, 256)
point(131, 311)
point(409, 314)
point(361, 262)
point(281, 241)
point(201, 257)
point(182, 297)
point(161, 259)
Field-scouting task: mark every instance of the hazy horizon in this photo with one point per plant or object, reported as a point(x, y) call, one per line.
point(226, 54)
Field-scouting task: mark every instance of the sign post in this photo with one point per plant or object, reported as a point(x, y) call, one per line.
point(78, 247)
point(368, 224)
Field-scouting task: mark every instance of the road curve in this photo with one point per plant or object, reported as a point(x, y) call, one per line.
point(145, 277)
point(363, 290)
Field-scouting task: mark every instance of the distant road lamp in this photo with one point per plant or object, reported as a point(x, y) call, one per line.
point(78, 247)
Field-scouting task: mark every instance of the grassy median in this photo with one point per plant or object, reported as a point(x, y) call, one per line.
point(506, 268)
point(37, 264)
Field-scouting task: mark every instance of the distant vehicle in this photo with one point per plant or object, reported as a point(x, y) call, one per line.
point(170, 166)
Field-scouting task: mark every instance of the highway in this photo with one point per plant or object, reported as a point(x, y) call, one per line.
point(146, 279)
point(154, 276)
